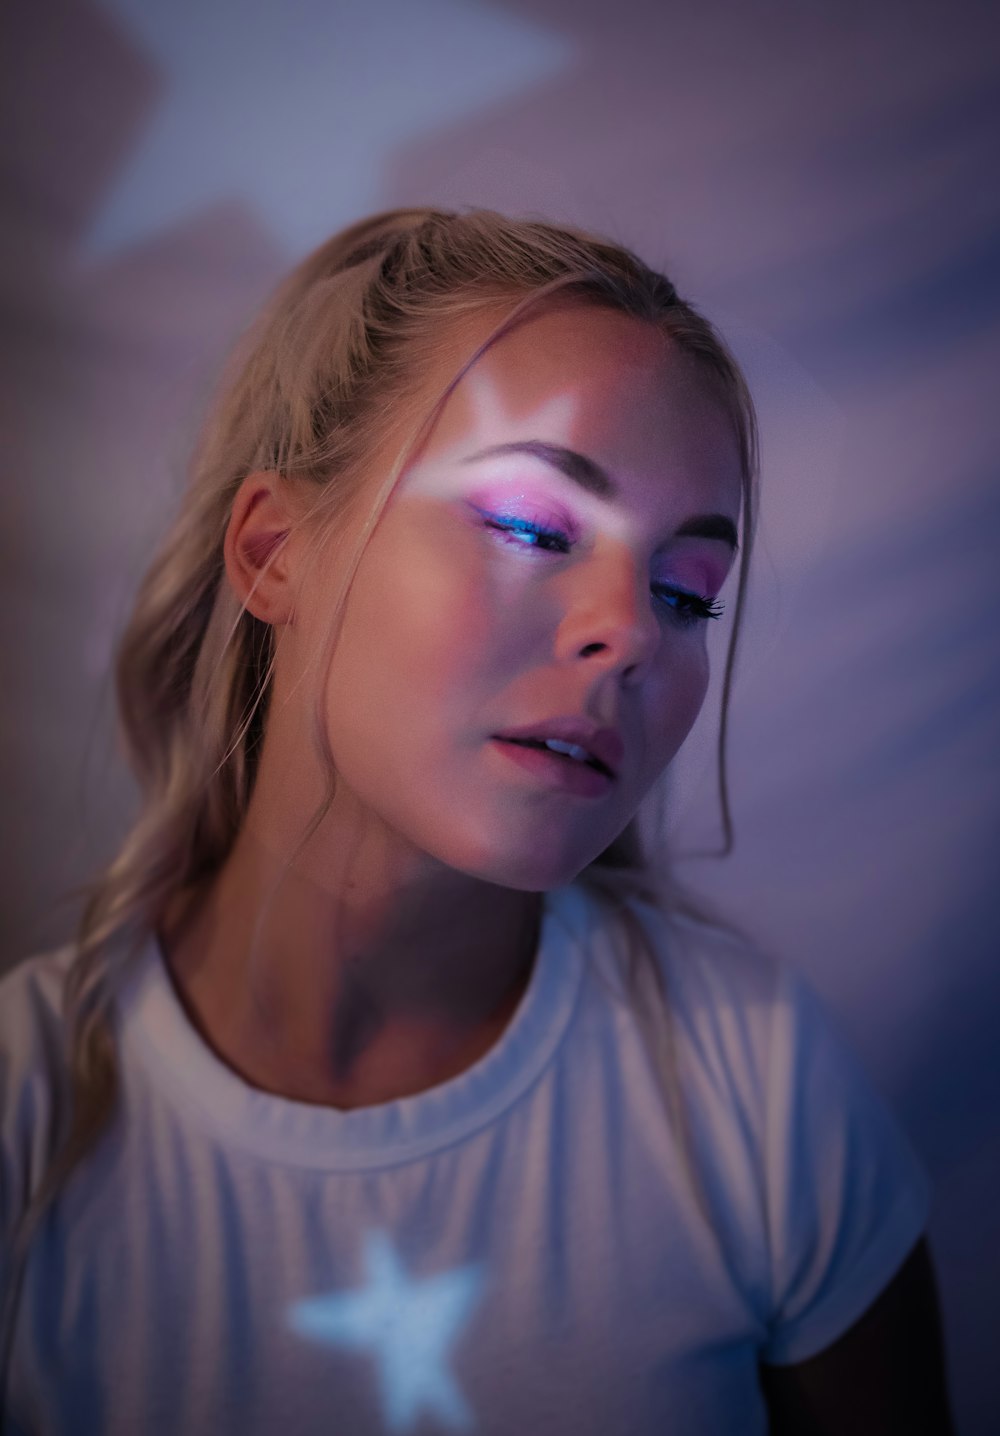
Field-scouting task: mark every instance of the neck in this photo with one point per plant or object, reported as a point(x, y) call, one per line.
point(350, 977)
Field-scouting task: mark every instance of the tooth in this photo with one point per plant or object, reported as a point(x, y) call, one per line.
point(570, 749)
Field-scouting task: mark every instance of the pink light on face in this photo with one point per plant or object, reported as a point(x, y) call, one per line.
point(695, 564)
point(694, 568)
point(512, 579)
point(516, 500)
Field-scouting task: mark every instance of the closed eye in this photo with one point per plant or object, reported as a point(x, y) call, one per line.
point(687, 607)
point(682, 605)
point(523, 533)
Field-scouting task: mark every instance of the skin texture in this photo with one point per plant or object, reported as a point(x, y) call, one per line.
point(361, 987)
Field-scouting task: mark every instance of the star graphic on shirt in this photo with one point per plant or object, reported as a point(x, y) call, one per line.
point(297, 108)
point(407, 1324)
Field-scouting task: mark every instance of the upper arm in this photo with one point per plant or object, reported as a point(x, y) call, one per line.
point(884, 1377)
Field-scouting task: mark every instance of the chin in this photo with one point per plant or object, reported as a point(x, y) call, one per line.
point(528, 867)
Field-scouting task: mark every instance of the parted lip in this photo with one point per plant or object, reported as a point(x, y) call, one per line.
point(604, 744)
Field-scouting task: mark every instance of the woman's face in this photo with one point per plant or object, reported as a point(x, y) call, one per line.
point(546, 560)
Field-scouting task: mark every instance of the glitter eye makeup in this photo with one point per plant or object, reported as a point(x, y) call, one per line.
point(519, 530)
point(516, 520)
point(526, 533)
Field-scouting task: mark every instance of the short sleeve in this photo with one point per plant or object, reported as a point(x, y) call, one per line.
point(846, 1196)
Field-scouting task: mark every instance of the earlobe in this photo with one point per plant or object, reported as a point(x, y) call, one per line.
point(257, 557)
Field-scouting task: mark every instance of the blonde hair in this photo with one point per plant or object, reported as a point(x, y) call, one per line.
point(320, 380)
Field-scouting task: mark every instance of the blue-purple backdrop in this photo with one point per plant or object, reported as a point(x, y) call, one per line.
point(822, 178)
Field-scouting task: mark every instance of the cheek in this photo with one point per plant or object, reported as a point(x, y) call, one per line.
point(422, 635)
point(676, 698)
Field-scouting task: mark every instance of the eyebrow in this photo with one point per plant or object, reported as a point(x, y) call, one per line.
point(595, 480)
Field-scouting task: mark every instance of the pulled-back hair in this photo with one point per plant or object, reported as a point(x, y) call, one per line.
point(321, 381)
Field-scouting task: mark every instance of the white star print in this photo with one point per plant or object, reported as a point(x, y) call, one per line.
point(407, 1324)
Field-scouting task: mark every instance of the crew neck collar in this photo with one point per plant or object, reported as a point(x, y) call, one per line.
point(162, 1039)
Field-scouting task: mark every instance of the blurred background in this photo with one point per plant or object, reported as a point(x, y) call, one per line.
point(822, 179)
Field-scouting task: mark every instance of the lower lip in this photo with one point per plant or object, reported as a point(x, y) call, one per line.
point(566, 774)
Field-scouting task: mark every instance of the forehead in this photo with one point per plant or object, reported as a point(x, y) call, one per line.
point(603, 383)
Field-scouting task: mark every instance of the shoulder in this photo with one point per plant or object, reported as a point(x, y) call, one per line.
point(747, 1020)
point(33, 1071)
point(721, 990)
point(781, 1107)
point(711, 960)
point(721, 987)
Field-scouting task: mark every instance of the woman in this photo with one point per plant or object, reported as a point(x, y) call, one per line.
point(392, 1092)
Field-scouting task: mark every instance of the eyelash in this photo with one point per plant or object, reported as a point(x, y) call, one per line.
point(551, 540)
point(515, 531)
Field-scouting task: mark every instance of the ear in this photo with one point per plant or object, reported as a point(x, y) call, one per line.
point(258, 557)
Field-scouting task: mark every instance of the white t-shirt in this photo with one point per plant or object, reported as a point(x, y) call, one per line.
point(516, 1250)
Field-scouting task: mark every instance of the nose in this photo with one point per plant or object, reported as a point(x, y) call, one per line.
point(609, 617)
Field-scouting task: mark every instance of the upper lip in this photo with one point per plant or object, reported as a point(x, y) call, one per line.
point(604, 744)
